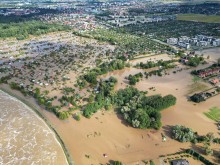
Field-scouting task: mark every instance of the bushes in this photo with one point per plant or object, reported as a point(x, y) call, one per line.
point(91, 78)
point(216, 140)
point(183, 134)
point(195, 61)
point(133, 79)
point(77, 117)
point(151, 162)
point(116, 163)
point(63, 115)
point(5, 79)
point(15, 86)
point(91, 108)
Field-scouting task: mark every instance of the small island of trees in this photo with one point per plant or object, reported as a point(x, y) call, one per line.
point(137, 109)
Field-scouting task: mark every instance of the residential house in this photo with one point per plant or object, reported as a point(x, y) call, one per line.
point(208, 72)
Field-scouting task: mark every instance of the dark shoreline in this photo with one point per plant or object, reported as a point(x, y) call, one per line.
point(36, 110)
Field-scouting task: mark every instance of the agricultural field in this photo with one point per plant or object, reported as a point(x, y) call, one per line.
point(199, 18)
point(214, 113)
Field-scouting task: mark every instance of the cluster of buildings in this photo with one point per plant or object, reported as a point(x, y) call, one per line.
point(120, 21)
point(212, 74)
point(78, 21)
point(198, 41)
point(18, 11)
point(208, 72)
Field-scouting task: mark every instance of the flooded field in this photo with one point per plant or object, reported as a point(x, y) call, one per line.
point(119, 141)
point(25, 138)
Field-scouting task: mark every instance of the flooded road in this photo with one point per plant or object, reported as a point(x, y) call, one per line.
point(24, 137)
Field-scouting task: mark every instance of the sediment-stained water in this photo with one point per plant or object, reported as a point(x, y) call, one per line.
point(24, 137)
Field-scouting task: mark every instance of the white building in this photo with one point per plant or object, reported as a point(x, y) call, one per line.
point(216, 42)
point(201, 37)
point(184, 39)
point(194, 40)
point(172, 41)
point(202, 43)
point(184, 45)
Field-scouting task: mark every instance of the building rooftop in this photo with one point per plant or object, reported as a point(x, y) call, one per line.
point(180, 162)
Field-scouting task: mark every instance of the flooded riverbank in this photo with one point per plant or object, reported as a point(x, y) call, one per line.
point(25, 138)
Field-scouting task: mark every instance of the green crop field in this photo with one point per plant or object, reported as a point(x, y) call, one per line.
point(199, 18)
point(214, 113)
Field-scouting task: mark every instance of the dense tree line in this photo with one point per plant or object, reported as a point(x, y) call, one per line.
point(139, 110)
point(151, 64)
point(22, 30)
point(167, 29)
point(22, 18)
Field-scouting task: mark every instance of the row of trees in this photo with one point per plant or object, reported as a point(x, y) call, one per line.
point(199, 156)
point(151, 64)
point(22, 30)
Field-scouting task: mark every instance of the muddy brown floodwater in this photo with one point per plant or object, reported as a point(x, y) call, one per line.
point(24, 137)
